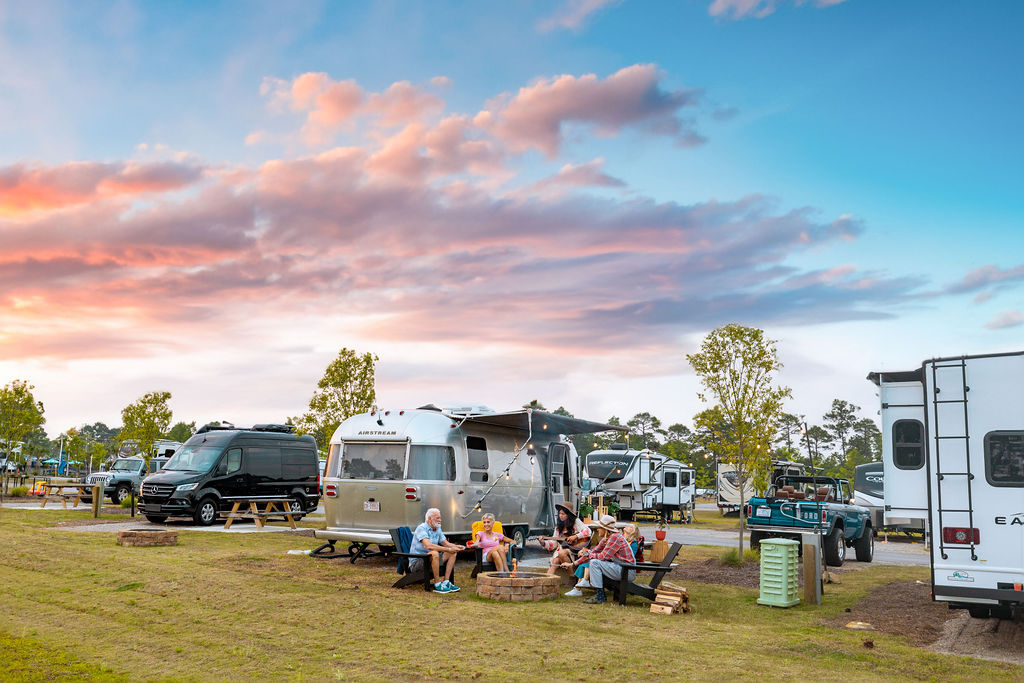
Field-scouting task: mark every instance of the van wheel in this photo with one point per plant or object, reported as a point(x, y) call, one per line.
point(835, 548)
point(206, 512)
point(865, 546)
point(298, 503)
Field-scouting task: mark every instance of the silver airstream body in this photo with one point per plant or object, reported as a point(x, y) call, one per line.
point(385, 469)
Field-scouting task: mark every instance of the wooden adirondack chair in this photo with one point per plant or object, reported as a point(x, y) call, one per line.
point(625, 587)
point(422, 575)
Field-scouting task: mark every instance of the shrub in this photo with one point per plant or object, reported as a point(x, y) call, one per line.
point(126, 502)
point(731, 556)
point(19, 491)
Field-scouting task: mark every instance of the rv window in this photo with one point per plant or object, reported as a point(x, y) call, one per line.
point(684, 479)
point(234, 460)
point(476, 449)
point(1004, 458)
point(372, 461)
point(432, 463)
point(908, 444)
point(298, 463)
point(263, 462)
point(670, 480)
point(332, 460)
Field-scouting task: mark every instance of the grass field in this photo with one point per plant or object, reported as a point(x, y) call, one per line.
point(237, 607)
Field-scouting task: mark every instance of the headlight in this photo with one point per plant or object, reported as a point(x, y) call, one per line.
point(187, 487)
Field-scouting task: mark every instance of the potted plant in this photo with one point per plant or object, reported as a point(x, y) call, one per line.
point(586, 512)
point(660, 532)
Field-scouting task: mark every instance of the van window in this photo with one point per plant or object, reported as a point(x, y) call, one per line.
point(298, 463)
point(234, 460)
point(908, 444)
point(670, 480)
point(432, 463)
point(476, 449)
point(1004, 458)
point(372, 461)
point(262, 461)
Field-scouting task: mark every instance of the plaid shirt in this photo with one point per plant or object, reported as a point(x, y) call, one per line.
point(613, 547)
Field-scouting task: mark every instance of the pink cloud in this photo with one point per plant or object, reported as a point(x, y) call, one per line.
point(573, 15)
point(402, 102)
point(987, 276)
point(536, 116)
point(757, 9)
point(1006, 319)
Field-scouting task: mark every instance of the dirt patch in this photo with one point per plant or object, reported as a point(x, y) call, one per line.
point(901, 608)
point(997, 639)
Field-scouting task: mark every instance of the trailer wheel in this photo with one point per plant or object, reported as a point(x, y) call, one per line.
point(979, 612)
point(865, 546)
point(835, 548)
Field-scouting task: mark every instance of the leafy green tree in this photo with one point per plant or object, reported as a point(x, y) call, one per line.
point(737, 366)
point(20, 415)
point(535, 404)
point(839, 422)
point(645, 428)
point(181, 431)
point(789, 431)
point(75, 445)
point(346, 389)
point(816, 440)
point(146, 420)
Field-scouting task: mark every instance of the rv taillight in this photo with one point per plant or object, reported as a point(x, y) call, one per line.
point(960, 535)
point(412, 493)
point(331, 490)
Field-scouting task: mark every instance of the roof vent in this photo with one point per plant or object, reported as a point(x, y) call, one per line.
point(279, 428)
point(619, 447)
point(429, 406)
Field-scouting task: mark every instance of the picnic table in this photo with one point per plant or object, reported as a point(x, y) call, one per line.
point(249, 508)
point(66, 492)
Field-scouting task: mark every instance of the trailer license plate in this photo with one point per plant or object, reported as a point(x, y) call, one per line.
point(371, 506)
point(764, 512)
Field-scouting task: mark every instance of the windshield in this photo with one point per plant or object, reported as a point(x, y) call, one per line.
point(123, 465)
point(372, 461)
point(607, 466)
point(199, 454)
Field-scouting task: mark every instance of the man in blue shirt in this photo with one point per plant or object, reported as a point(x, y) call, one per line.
point(428, 539)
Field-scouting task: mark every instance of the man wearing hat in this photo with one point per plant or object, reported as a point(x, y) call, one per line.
point(607, 558)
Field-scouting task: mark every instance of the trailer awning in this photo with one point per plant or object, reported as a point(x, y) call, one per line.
point(904, 376)
point(542, 422)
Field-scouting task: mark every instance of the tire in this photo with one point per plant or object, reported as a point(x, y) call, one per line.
point(298, 503)
point(865, 546)
point(123, 492)
point(835, 548)
point(755, 539)
point(519, 535)
point(979, 612)
point(206, 512)
point(156, 519)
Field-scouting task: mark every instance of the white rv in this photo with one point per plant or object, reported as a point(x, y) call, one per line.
point(385, 469)
point(641, 480)
point(729, 482)
point(953, 437)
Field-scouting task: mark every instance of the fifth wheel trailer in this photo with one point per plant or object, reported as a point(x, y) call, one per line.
point(953, 434)
point(641, 480)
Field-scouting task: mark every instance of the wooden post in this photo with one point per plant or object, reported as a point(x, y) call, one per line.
point(97, 495)
point(812, 569)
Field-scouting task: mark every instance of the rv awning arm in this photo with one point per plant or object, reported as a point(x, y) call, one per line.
point(541, 422)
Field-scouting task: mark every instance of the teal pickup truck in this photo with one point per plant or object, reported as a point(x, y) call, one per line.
point(794, 505)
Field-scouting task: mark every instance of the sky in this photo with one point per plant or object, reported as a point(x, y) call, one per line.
point(503, 201)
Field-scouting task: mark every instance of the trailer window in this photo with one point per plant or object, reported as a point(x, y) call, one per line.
point(432, 463)
point(908, 444)
point(1004, 458)
point(372, 461)
point(476, 450)
point(670, 480)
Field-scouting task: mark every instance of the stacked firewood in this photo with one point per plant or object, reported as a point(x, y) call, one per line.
point(670, 599)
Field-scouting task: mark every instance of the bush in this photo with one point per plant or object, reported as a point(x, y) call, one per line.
point(19, 491)
point(732, 558)
point(126, 502)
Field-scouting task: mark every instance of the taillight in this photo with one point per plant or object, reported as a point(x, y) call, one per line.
point(750, 511)
point(960, 535)
point(824, 516)
point(331, 491)
point(411, 493)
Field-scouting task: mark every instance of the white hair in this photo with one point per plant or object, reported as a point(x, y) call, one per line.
point(487, 515)
point(426, 517)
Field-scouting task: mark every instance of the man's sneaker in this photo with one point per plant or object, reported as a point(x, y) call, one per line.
point(574, 593)
point(597, 598)
point(442, 587)
point(583, 583)
point(452, 588)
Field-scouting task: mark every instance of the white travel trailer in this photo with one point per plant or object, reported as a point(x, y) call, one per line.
point(729, 482)
point(641, 480)
point(953, 430)
point(385, 469)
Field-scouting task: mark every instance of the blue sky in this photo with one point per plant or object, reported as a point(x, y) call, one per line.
point(607, 190)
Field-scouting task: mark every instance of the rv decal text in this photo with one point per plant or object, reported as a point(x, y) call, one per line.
point(377, 432)
point(1015, 518)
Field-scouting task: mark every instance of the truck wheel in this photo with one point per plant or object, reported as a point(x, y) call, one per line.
point(519, 536)
point(206, 512)
point(123, 492)
point(755, 539)
point(156, 519)
point(865, 546)
point(835, 548)
point(297, 504)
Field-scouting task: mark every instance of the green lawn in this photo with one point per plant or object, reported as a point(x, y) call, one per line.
point(237, 607)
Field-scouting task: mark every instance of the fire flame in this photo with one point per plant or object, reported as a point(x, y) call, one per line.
point(515, 566)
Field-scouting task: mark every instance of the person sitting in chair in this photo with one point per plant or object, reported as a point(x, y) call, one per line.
point(569, 530)
point(606, 559)
point(492, 544)
point(428, 539)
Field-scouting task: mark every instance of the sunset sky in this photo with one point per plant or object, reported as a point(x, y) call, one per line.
point(504, 201)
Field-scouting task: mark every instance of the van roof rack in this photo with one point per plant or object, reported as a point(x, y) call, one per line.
point(279, 428)
point(215, 427)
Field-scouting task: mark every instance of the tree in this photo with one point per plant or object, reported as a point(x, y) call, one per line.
point(145, 421)
point(839, 422)
point(20, 415)
point(867, 439)
point(788, 431)
point(346, 389)
point(535, 404)
point(181, 431)
point(645, 427)
point(737, 367)
point(815, 439)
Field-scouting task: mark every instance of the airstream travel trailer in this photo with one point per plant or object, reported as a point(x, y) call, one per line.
point(954, 431)
point(640, 480)
point(729, 483)
point(385, 469)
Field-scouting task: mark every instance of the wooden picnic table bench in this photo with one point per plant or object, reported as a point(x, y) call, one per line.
point(251, 510)
point(66, 492)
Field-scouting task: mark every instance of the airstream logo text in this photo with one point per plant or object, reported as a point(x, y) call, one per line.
point(1016, 518)
point(378, 432)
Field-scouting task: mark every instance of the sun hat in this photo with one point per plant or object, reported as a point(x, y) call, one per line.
point(559, 506)
point(607, 522)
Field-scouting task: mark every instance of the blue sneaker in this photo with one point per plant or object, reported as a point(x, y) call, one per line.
point(452, 588)
point(442, 587)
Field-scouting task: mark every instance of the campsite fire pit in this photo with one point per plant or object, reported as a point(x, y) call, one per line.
point(517, 586)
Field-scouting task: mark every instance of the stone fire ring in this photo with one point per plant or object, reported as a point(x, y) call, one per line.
point(524, 587)
point(147, 537)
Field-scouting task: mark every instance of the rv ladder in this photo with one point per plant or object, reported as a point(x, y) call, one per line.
point(941, 475)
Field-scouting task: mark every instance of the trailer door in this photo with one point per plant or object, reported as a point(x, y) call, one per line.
point(560, 479)
point(903, 453)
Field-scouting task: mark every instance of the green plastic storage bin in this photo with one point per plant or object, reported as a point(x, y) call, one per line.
point(779, 563)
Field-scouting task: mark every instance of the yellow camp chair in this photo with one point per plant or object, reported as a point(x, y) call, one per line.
point(477, 527)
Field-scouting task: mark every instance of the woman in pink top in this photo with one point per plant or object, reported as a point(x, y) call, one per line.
point(492, 543)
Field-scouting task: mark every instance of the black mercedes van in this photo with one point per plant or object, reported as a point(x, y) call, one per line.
point(220, 463)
